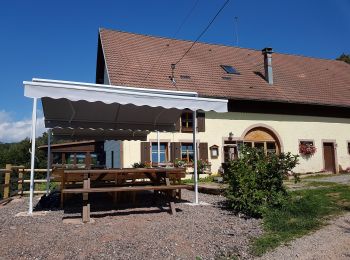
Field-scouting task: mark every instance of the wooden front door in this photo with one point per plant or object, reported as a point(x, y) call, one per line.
point(329, 157)
point(230, 153)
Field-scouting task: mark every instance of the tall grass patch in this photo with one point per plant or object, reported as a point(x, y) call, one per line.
point(303, 212)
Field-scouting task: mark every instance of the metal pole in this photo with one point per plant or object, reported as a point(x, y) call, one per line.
point(48, 161)
point(195, 156)
point(32, 161)
point(158, 144)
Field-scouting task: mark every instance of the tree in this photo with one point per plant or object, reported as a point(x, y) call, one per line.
point(19, 153)
point(344, 57)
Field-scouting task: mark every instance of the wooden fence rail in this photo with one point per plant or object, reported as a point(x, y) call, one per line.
point(17, 176)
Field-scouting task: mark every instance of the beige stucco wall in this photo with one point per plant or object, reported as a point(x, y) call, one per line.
point(289, 128)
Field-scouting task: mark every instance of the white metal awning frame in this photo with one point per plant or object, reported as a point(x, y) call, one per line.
point(79, 134)
point(154, 101)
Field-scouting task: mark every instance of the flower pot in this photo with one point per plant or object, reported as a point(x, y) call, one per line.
point(218, 179)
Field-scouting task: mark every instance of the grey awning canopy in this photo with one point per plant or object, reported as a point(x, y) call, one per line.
point(98, 115)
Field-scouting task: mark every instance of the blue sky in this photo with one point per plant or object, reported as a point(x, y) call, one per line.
point(58, 39)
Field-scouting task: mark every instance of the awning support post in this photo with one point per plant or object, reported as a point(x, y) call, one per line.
point(195, 156)
point(32, 161)
point(158, 145)
point(48, 161)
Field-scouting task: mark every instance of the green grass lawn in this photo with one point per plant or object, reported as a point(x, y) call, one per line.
point(306, 211)
point(202, 180)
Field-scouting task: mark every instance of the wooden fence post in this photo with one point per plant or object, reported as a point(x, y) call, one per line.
point(7, 181)
point(20, 181)
point(86, 203)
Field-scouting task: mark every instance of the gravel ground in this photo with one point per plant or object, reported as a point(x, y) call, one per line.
point(330, 242)
point(143, 232)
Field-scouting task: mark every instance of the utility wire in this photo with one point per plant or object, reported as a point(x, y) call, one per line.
point(186, 18)
point(203, 32)
point(174, 35)
point(236, 30)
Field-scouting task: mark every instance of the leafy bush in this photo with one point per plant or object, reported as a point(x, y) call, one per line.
point(256, 180)
point(202, 166)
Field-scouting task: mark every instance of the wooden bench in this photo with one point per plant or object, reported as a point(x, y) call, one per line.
point(124, 180)
point(119, 189)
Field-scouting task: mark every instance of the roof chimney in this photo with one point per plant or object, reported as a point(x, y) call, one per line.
point(267, 52)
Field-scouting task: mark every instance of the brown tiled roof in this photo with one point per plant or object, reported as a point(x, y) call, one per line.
point(144, 61)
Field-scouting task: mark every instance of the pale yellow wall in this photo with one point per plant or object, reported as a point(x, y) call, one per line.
point(131, 153)
point(289, 128)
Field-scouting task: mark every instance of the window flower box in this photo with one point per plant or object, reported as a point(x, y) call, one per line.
point(307, 149)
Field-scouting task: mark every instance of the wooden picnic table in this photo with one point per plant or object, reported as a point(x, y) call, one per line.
point(164, 179)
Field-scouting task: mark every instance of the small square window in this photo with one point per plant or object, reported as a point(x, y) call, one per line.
point(348, 147)
point(271, 147)
point(163, 152)
point(311, 143)
point(187, 152)
point(248, 144)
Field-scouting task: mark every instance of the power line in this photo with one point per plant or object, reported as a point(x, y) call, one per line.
point(174, 35)
point(236, 30)
point(186, 18)
point(203, 32)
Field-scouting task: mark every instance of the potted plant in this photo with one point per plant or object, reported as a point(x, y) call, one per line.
point(217, 177)
point(180, 163)
point(142, 165)
point(138, 165)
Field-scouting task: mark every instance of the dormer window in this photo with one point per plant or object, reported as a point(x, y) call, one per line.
point(229, 69)
point(186, 122)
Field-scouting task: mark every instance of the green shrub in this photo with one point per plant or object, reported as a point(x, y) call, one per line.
point(202, 166)
point(256, 180)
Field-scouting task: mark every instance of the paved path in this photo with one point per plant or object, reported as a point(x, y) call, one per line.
point(330, 242)
point(341, 179)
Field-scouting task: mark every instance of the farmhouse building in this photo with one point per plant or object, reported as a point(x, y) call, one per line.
point(277, 102)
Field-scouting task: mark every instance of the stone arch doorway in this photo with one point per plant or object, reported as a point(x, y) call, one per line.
point(262, 138)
